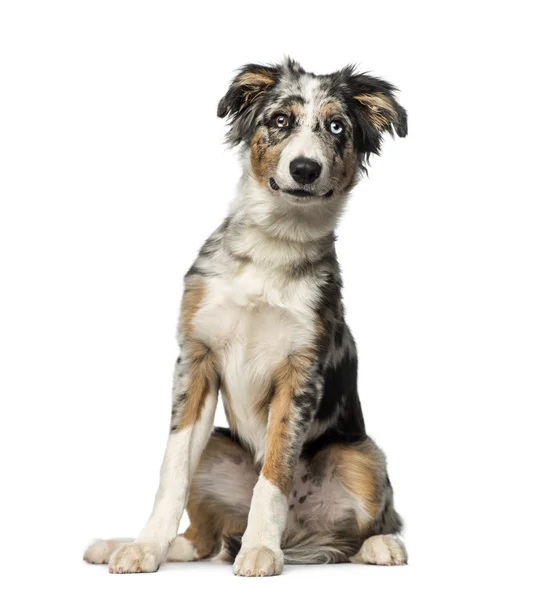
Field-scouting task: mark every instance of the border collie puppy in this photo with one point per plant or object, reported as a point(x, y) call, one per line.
point(295, 478)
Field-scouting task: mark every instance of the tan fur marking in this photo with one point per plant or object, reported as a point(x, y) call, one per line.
point(209, 522)
point(344, 169)
point(202, 370)
point(288, 378)
point(192, 299)
point(255, 79)
point(279, 416)
point(350, 168)
point(264, 156)
point(294, 109)
point(202, 531)
point(199, 359)
point(355, 468)
point(254, 85)
point(202, 538)
point(379, 110)
point(261, 406)
point(330, 110)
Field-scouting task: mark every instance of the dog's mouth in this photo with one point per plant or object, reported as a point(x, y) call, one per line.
point(298, 193)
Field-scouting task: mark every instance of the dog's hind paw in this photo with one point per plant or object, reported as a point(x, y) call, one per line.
point(258, 562)
point(135, 558)
point(382, 550)
point(98, 552)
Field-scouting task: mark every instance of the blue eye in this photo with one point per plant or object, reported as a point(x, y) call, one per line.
point(336, 127)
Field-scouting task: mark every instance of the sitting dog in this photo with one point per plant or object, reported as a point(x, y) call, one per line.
point(295, 478)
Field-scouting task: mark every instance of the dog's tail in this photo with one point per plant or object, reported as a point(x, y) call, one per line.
point(305, 547)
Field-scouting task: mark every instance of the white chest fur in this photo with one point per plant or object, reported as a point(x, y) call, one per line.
point(252, 319)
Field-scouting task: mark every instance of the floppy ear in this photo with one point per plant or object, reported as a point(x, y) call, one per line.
point(376, 109)
point(244, 99)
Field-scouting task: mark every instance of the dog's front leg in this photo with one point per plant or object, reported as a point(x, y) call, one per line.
point(297, 389)
point(195, 392)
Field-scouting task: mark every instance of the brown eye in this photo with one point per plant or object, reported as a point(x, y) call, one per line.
point(281, 121)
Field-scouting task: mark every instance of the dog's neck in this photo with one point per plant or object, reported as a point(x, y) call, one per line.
point(277, 233)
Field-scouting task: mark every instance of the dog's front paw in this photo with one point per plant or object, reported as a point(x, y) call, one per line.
point(135, 558)
point(258, 562)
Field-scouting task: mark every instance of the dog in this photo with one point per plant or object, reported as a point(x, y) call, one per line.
point(295, 478)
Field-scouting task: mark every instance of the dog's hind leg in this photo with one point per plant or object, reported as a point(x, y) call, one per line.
point(362, 471)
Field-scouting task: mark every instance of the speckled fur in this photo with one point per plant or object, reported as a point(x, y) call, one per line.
point(262, 320)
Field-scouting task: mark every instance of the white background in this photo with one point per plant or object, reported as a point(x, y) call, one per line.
point(113, 172)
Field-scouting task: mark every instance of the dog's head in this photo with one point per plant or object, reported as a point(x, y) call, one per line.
point(309, 136)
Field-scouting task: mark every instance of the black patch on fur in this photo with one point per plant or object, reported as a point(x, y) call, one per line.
point(340, 397)
point(195, 270)
point(232, 545)
point(388, 520)
point(179, 400)
point(339, 404)
point(294, 99)
point(231, 435)
point(367, 138)
point(340, 142)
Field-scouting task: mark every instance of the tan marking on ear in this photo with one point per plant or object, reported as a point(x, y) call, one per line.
point(378, 109)
point(356, 469)
point(288, 378)
point(254, 85)
point(254, 79)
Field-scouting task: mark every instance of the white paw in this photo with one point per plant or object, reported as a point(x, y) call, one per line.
point(98, 552)
point(182, 550)
point(383, 550)
point(135, 558)
point(258, 562)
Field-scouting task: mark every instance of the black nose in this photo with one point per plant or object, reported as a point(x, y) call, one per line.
point(305, 170)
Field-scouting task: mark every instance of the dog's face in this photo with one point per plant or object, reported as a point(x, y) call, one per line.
point(309, 135)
